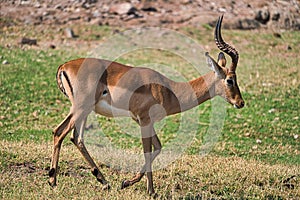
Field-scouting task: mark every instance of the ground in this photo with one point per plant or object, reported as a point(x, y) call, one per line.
point(243, 14)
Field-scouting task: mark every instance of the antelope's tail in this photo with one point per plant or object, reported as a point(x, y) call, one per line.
point(63, 81)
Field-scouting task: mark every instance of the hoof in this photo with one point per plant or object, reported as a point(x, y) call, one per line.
point(52, 178)
point(52, 183)
point(125, 184)
point(106, 187)
point(154, 195)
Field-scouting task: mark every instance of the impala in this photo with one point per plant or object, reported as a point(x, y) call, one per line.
point(116, 90)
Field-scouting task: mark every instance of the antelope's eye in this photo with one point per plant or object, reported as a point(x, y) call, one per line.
point(229, 82)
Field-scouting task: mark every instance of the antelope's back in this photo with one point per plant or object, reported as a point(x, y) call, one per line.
point(84, 75)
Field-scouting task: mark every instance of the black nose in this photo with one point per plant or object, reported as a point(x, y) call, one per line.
point(242, 104)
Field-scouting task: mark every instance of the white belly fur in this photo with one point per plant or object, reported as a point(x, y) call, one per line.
point(103, 108)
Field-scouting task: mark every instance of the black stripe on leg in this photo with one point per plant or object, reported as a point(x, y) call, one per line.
point(95, 172)
point(51, 172)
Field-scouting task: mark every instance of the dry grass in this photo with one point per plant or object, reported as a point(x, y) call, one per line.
point(187, 178)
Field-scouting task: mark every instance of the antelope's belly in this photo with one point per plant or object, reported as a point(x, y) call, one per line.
point(104, 108)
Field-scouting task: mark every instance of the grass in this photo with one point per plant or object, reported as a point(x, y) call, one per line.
point(256, 156)
point(188, 177)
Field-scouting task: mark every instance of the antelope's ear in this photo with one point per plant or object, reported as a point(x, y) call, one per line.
point(215, 67)
point(221, 59)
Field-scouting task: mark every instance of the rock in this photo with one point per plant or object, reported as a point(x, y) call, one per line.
point(149, 9)
point(69, 33)
point(258, 141)
point(222, 10)
point(32, 20)
point(275, 15)
point(122, 8)
point(88, 4)
point(186, 2)
point(247, 134)
point(28, 41)
point(74, 17)
point(149, 6)
point(247, 24)
point(5, 62)
point(35, 114)
point(263, 15)
point(277, 35)
point(52, 46)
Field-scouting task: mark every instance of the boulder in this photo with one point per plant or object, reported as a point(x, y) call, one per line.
point(122, 8)
point(69, 33)
point(28, 41)
point(263, 15)
point(247, 24)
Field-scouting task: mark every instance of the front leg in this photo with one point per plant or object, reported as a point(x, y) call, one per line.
point(149, 138)
point(149, 158)
point(147, 168)
point(147, 146)
point(77, 139)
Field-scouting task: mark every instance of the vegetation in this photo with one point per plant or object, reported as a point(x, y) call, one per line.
point(255, 157)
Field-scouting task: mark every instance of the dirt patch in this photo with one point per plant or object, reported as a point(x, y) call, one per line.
point(172, 14)
point(25, 167)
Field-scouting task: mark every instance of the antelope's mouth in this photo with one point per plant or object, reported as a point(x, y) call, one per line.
point(238, 106)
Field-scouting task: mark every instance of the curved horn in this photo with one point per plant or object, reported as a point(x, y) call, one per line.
point(223, 46)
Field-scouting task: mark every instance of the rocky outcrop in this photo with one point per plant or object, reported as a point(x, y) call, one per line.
point(243, 14)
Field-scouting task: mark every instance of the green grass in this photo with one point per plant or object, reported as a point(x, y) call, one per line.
point(28, 93)
point(258, 148)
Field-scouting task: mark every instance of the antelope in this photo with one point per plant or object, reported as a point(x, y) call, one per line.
point(116, 90)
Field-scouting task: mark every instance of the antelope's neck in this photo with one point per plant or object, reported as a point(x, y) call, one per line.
point(195, 92)
point(204, 87)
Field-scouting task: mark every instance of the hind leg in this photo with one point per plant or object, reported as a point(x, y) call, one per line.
point(59, 133)
point(77, 139)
